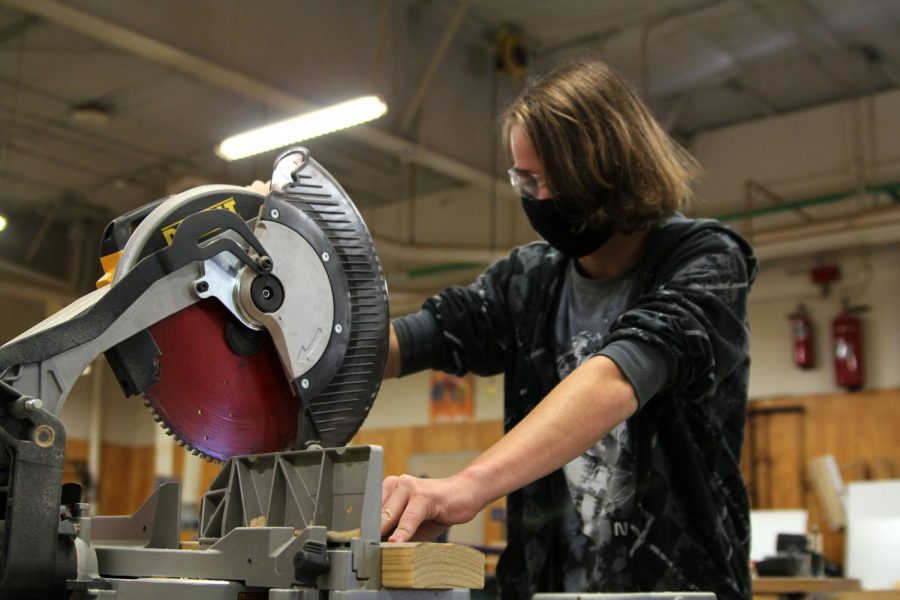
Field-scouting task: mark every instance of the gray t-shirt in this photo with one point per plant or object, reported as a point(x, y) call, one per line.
point(601, 481)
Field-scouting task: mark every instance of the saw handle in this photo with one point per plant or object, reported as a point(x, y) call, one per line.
point(116, 235)
point(119, 230)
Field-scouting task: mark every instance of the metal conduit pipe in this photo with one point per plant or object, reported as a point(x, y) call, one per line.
point(443, 259)
point(873, 227)
point(889, 188)
point(420, 254)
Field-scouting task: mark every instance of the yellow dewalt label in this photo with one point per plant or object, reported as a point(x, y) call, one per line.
point(169, 230)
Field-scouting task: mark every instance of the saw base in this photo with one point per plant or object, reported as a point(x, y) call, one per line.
point(270, 528)
point(182, 589)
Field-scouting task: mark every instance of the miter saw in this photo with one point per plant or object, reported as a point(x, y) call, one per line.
point(256, 329)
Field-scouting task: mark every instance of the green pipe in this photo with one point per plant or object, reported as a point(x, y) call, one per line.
point(892, 189)
point(445, 268)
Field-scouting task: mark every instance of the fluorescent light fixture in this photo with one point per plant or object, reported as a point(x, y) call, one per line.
point(302, 127)
point(3, 222)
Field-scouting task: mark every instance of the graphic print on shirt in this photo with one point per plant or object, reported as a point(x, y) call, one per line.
point(600, 481)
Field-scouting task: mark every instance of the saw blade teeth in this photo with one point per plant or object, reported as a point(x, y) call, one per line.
point(192, 450)
point(171, 433)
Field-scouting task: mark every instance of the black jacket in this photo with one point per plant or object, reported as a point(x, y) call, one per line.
point(690, 528)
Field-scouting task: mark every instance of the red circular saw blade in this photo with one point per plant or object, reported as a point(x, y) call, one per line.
point(215, 401)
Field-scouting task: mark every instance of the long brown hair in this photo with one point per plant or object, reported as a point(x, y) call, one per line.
point(603, 154)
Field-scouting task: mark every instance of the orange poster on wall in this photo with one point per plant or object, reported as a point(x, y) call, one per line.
point(452, 398)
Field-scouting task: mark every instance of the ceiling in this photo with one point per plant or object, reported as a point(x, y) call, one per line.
point(167, 80)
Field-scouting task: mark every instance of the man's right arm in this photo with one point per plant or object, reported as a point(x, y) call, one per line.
point(458, 330)
point(392, 369)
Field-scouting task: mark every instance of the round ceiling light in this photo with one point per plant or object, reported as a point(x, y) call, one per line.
point(91, 114)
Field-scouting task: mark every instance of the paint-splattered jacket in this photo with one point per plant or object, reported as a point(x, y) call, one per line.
point(690, 526)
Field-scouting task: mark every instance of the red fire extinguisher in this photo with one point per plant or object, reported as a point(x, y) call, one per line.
point(847, 336)
point(802, 337)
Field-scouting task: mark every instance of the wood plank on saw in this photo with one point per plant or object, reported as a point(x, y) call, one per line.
point(424, 565)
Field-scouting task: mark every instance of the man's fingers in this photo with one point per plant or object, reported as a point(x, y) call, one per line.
point(415, 514)
point(393, 506)
point(387, 488)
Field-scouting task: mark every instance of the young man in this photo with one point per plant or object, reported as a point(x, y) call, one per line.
point(624, 343)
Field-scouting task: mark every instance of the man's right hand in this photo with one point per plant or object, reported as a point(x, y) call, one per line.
point(263, 187)
point(416, 509)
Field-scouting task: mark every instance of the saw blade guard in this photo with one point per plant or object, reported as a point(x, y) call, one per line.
point(338, 390)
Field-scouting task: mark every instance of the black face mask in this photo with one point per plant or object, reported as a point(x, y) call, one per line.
point(558, 230)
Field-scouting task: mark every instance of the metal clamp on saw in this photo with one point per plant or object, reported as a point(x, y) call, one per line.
point(256, 329)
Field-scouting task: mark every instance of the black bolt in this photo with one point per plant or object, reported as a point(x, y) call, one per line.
point(267, 293)
point(202, 287)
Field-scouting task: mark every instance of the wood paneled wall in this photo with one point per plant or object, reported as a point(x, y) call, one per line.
point(126, 475)
point(861, 430)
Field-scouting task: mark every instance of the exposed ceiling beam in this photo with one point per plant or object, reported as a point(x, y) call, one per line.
point(815, 45)
point(18, 27)
point(762, 105)
point(642, 18)
point(26, 276)
point(63, 204)
point(42, 231)
point(46, 293)
point(436, 59)
point(675, 112)
point(9, 176)
point(873, 57)
point(236, 82)
point(64, 132)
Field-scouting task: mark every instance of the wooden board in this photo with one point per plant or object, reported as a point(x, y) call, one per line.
point(803, 585)
point(421, 565)
point(869, 595)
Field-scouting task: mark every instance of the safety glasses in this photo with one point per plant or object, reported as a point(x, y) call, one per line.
point(525, 182)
